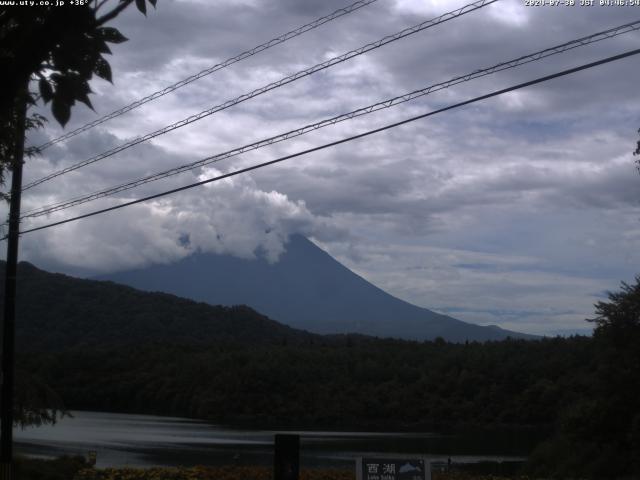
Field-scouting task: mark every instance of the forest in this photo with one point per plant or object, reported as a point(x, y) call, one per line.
point(352, 381)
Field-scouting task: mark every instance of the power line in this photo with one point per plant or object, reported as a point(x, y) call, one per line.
point(344, 140)
point(610, 33)
point(283, 81)
point(208, 71)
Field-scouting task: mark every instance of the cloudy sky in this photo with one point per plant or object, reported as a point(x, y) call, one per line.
point(519, 211)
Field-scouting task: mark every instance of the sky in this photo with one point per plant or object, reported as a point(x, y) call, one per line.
point(520, 211)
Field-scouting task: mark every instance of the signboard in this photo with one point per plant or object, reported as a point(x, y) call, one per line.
point(393, 469)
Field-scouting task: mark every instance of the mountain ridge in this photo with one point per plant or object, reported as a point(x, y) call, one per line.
point(306, 289)
point(58, 312)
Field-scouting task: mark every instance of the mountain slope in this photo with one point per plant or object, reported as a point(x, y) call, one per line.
point(305, 289)
point(57, 312)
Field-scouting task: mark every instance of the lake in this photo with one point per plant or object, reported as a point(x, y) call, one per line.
point(145, 441)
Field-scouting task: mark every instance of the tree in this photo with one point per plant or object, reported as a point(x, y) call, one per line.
point(36, 403)
point(617, 338)
point(8, 141)
point(61, 48)
point(622, 312)
point(599, 434)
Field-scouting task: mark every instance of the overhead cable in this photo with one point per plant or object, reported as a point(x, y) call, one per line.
point(341, 141)
point(208, 71)
point(536, 56)
point(271, 86)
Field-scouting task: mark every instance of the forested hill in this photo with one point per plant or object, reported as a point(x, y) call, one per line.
point(57, 312)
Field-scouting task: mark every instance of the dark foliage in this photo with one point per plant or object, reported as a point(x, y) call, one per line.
point(599, 435)
point(341, 382)
point(60, 49)
point(8, 141)
point(35, 403)
point(68, 44)
point(64, 468)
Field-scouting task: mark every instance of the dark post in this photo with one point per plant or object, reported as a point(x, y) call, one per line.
point(286, 465)
point(8, 330)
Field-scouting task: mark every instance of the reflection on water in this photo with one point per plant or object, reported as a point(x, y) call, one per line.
point(145, 440)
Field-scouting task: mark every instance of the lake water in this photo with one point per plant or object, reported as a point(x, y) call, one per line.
point(145, 441)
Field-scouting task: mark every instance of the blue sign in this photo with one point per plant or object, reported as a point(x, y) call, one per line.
point(393, 469)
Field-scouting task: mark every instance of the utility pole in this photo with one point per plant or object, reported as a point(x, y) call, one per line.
point(8, 326)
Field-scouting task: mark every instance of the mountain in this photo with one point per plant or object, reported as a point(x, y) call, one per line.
point(306, 289)
point(57, 312)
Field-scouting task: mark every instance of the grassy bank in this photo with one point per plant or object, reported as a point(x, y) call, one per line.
point(244, 473)
point(76, 468)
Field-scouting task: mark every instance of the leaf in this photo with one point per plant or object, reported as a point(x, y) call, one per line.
point(83, 96)
point(142, 6)
point(64, 57)
point(110, 34)
point(61, 111)
point(45, 90)
point(84, 64)
point(74, 87)
point(103, 69)
point(102, 47)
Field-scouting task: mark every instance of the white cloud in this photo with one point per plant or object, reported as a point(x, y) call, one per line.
point(513, 13)
point(230, 217)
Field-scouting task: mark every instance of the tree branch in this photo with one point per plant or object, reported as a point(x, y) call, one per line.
point(99, 4)
point(113, 13)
